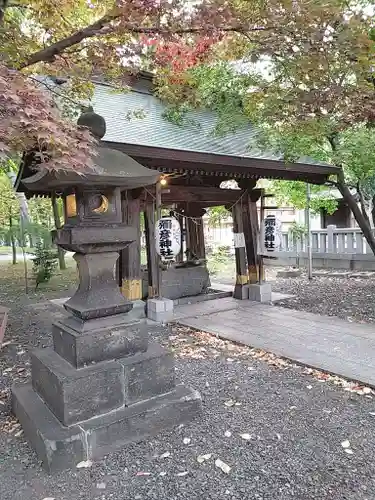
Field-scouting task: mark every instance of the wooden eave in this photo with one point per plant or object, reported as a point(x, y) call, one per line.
point(197, 163)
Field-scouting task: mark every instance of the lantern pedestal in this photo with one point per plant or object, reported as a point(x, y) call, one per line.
point(103, 384)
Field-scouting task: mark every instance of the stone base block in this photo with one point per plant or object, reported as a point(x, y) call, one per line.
point(77, 395)
point(260, 293)
point(148, 374)
point(98, 341)
point(60, 447)
point(241, 292)
point(160, 310)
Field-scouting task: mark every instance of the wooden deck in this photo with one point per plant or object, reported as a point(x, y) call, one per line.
point(327, 343)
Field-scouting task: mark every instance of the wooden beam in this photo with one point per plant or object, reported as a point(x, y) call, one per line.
point(204, 195)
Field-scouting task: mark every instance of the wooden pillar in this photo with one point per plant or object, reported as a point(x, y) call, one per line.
point(241, 270)
point(251, 233)
point(130, 257)
point(195, 231)
point(152, 257)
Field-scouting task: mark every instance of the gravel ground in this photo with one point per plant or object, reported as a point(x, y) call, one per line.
point(348, 298)
point(292, 426)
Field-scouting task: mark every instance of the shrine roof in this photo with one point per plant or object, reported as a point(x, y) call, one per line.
point(137, 125)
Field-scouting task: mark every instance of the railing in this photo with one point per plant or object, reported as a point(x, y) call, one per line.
point(330, 240)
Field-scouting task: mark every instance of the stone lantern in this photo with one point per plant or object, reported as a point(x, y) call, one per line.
point(103, 384)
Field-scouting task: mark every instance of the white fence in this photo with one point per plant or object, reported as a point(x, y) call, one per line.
point(330, 240)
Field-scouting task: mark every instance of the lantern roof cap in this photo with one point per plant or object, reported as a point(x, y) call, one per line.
point(112, 168)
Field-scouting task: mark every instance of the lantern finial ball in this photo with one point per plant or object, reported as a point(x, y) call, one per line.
point(94, 122)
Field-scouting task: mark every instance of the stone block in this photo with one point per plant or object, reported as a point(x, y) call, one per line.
point(134, 423)
point(180, 282)
point(148, 374)
point(99, 343)
point(260, 292)
point(60, 447)
point(160, 310)
point(290, 273)
point(168, 305)
point(161, 317)
point(155, 305)
point(57, 447)
point(241, 292)
point(75, 395)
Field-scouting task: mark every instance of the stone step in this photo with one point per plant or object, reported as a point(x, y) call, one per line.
point(75, 395)
point(60, 447)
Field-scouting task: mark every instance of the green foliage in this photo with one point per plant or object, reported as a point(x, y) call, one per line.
point(178, 114)
point(220, 89)
point(297, 231)
point(293, 193)
point(215, 87)
point(44, 264)
point(216, 215)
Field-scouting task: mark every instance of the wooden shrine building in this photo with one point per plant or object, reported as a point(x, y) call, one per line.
point(194, 162)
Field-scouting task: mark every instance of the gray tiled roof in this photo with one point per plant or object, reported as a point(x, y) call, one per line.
point(152, 129)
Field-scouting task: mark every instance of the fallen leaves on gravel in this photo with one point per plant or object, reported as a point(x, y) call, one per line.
point(246, 436)
point(4, 394)
point(10, 425)
point(222, 466)
point(203, 458)
point(187, 342)
point(232, 402)
point(85, 464)
point(347, 385)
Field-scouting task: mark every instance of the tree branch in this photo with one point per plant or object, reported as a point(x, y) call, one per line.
point(101, 27)
point(49, 53)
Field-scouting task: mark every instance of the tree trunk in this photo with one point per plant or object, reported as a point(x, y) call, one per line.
point(363, 204)
point(24, 207)
point(373, 210)
point(12, 241)
point(56, 216)
point(358, 215)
